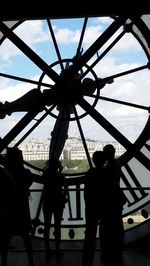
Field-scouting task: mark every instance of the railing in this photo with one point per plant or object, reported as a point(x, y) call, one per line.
point(73, 223)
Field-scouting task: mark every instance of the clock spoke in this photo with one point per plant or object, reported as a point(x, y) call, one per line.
point(36, 59)
point(104, 53)
point(11, 135)
point(142, 27)
point(124, 73)
point(24, 80)
point(37, 123)
point(82, 136)
point(142, 107)
point(92, 50)
point(105, 124)
point(78, 52)
point(67, 97)
point(132, 150)
point(55, 44)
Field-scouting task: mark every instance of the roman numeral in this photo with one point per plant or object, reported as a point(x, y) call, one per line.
point(134, 190)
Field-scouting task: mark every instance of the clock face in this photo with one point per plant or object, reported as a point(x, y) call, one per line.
point(83, 78)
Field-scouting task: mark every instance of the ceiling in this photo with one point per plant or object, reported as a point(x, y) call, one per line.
point(21, 11)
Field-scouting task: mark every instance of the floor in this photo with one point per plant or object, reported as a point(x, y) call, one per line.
point(72, 257)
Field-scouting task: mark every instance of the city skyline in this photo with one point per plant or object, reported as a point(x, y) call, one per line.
point(125, 55)
point(38, 149)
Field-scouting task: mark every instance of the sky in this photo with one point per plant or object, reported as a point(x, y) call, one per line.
point(126, 54)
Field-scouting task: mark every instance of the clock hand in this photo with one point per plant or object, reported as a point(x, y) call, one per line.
point(89, 85)
point(28, 52)
point(27, 102)
point(114, 132)
point(92, 50)
point(60, 131)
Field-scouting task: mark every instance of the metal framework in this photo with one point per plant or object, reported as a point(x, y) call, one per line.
point(73, 88)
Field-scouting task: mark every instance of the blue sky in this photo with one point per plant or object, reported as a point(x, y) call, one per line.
point(127, 54)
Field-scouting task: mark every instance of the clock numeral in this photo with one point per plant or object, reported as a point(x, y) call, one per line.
point(135, 190)
point(77, 205)
point(147, 146)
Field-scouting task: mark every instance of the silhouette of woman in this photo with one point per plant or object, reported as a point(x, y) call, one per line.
point(112, 231)
point(53, 203)
point(21, 212)
point(7, 193)
point(94, 204)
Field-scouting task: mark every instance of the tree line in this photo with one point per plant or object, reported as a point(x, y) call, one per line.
point(72, 166)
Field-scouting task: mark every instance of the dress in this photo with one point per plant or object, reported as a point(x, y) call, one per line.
point(94, 196)
point(53, 203)
point(54, 200)
point(7, 193)
point(112, 230)
point(21, 210)
point(20, 220)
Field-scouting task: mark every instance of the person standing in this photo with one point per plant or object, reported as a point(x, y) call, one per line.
point(7, 194)
point(53, 203)
point(112, 231)
point(22, 177)
point(94, 196)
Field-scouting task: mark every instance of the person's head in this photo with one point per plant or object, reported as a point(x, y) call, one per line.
point(99, 158)
point(109, 151)
point(14, 157)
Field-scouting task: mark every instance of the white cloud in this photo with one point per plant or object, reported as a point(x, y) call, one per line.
point(133, 88)
point(31, 32)
point(127, 43)
point(103, 20)
point(11, 93)
point(67, 36)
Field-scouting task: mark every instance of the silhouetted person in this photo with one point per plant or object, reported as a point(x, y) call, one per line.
point(112, 230)
point(94, 204)
point(7, 192)
point(21, 211)
point(53, 203)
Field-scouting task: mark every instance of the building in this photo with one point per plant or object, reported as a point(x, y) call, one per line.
point(38, 149)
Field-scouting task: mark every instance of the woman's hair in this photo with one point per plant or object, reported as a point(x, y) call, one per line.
point(109, 151)
point(14, 157)
point(99, 158)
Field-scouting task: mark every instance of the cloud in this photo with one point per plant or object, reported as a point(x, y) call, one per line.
point(133, 88)
point(11, 93)
point(31, 33)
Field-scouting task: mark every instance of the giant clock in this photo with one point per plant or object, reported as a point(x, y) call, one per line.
point(88, 75)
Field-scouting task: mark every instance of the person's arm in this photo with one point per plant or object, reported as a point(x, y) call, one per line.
point(65, 190)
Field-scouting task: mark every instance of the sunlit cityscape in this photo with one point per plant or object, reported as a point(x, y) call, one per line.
point(38, 149)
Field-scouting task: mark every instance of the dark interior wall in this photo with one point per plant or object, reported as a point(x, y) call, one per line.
point(48, 9)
